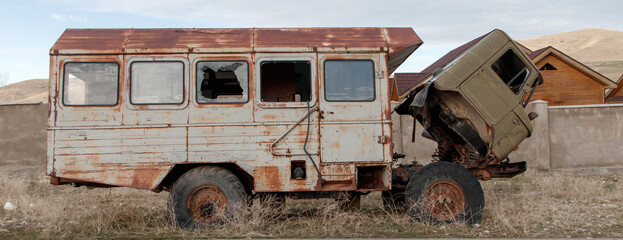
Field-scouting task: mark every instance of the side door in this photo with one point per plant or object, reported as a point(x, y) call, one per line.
point(351, 97)
point(86, 105)
point(286, 122)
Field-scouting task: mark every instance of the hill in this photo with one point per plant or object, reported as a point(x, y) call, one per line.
point(599, 49)
point(33, 90)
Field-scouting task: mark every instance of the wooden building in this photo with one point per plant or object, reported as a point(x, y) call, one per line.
point(568, 81)
point(616, 95)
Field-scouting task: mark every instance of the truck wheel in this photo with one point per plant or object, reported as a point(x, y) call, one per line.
point(203, 196)
point(445, 192)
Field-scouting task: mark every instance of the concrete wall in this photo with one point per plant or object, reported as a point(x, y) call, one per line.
point(587, 138)
point(536, 150)
point(23, 133)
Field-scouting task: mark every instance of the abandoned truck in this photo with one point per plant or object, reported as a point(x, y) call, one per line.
point(217, 116)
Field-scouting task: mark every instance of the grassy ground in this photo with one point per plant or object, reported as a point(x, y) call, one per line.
point(534, 204)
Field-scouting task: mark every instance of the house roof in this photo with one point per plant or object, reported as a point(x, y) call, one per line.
point(409, 80)
point(538, 55)
point(399, 43)
point(611, 97)
point(406, 81)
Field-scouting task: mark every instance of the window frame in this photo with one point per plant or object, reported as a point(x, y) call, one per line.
point(526, 67)
point(198, 87)
point(163, 61)
point(89, 105)
point(324, 79)
point(312, 98)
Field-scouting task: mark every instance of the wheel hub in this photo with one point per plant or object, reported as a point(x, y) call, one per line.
point(207, 203)
point(444, 200)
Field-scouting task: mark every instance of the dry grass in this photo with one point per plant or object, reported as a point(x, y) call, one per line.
point(531, 205)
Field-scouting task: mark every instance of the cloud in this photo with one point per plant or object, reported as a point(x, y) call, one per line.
point(446, 21)
point(69, 18)
point(441, 24)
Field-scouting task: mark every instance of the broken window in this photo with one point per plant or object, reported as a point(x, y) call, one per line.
point(90, 84)
point(157, 82)
point(222, 82)
point(511, 70)
point(349, 80)
point(547, 66)
point(285, 81)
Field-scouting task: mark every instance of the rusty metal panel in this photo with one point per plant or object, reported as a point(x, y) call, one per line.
point(52, 90)
point(249, 146)
point(243, 142)
point(397, 41)
point(157, 40)
point(102, 41)
point(118, 156)
point(338, 172)
point(318, 37)
point(143, 176)
point(354, 142)
point(278, 179)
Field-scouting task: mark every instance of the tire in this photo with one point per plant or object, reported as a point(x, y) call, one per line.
point(205, 196)
point(445, 192)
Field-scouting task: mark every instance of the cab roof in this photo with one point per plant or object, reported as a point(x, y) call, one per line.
point(399, 43)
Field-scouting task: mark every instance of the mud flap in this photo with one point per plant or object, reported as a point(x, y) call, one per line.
point(413, 101)
point(420, 98)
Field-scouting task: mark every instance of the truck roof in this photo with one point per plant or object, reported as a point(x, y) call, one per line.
point(399, 43)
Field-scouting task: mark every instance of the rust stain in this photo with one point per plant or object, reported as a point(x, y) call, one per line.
point(145, 178)
point(267, 178)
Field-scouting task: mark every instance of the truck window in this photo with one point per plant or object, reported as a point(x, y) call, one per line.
point(511, 70)
point(349, 80)
point(157, 82)
point(90, 84)
point(222, 82)
point(285, 81)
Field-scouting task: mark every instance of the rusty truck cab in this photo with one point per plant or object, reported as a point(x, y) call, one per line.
point(297, 111)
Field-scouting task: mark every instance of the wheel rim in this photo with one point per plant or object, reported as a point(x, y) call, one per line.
point(444, 200)
point(207, 203)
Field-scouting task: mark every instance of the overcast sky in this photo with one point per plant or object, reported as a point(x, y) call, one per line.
point(30, 27)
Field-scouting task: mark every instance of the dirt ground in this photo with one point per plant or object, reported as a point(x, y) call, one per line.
point(532, 205)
